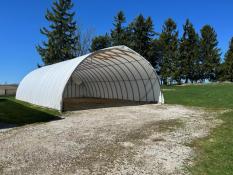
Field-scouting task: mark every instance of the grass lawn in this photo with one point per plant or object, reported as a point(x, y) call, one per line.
point(215, 153)
point(16, 112)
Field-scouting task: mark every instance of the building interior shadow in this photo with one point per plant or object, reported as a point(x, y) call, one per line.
point(78, 104)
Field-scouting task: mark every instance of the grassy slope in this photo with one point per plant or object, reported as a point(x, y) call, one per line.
point(17, 112)
point(216, 151)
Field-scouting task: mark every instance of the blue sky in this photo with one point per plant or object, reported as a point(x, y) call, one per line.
point(20, 22)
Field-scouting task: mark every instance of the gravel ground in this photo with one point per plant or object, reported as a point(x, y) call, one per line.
point(145, 139)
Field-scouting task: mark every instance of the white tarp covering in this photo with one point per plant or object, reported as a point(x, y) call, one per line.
point(116, 72)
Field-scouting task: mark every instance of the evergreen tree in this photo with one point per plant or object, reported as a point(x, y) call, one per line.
point(189, 54)
point(228, 64)
point(118, 34)
point(62, 38)
point(152, 54)
point(210, 53)
point(138, 35)
point(100, 42)
point(169, 43)
point(141, 32)
point(221, 72)
point(155, 55)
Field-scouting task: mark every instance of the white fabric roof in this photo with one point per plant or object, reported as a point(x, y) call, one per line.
point(116, 72)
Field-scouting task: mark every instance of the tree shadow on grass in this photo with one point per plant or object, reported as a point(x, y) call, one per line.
point(14, 114)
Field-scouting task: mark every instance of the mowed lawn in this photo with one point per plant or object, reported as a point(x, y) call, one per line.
point(16, 112)
point(215, 153)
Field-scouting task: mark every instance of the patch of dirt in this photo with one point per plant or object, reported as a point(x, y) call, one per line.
point(142, 139)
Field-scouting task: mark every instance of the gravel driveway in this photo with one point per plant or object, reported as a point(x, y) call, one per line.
point(145, 139)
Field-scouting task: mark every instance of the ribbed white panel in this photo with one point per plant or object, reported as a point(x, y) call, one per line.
point(116, 72)
point(44, 86)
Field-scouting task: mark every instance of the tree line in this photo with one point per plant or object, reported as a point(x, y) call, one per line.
point(189, 58)
point(192, 56)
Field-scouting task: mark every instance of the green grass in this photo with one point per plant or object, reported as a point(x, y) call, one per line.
point(210, 96)
point(215, 153)
point(16, 112)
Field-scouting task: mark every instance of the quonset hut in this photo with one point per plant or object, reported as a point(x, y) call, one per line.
point(112, 73)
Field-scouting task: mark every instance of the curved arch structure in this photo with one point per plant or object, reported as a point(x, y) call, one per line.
point(112, 73)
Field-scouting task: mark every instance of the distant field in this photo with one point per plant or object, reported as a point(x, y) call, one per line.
point(215, 153)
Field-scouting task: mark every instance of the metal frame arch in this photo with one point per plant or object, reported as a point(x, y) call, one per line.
point(121, 63)
point(122, 96)
point(149, 78)
point(114, 82)
point(108, 75)
point(132, 65)
point(139, 92)
point(87, 73)
point(91, 88)
point(67, 80)
point(97, 71)
point(107, 67)
point(88, 82)
point(131, 52)
point(99, 81)
point(112, 65)
point(136, 70)
point(86, 88)
point(117, 80)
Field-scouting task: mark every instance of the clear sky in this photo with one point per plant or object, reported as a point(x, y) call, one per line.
point(20, 22)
